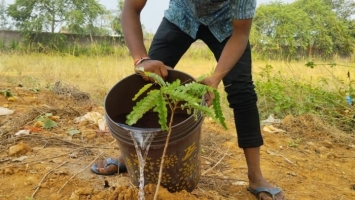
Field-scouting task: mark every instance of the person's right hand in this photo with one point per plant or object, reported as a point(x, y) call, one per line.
point(154, 66)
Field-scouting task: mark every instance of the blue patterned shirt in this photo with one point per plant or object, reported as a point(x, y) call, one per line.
point(188, 15)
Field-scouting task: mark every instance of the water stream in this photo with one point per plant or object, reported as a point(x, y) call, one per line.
point(142, 141)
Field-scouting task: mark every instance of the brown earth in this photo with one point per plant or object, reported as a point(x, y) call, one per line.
point(308, 161)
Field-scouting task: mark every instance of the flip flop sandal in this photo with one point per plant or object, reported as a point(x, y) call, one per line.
point(109, 161)
point(272, 192)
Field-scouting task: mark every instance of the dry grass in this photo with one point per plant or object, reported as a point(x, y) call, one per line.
point(297, 71)
point(97, 74)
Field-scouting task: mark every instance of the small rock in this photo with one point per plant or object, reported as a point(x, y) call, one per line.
point(89, 133)
point(323, 156)
point(81, 191)
point(240, 183)
point(61, 172)
point(86, 191)
point(55, 195)
point(73, 155)
point(22, 132)
point(320, 149)
point(19, 149)
point(292, 173)
point(54, 118)
point(83, 123)
point(8, 171)
point(327, 144)
point(310, 143)
point(332, 155)
point(5, 111)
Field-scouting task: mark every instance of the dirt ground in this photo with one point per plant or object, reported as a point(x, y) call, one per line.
point(305, 158)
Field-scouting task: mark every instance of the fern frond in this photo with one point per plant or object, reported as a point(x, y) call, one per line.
point(216, 103)
point(180, 95)
point(143, 106)
point(162, 111)
point(156, 77)
point(197, 89)
point(189, 94)
point(174, 84)
point(142, 90)
point(205, 111)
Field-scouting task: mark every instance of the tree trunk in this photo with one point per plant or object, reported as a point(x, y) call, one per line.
point(310, 51)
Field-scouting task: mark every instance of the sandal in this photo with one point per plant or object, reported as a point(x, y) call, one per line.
point(109, 161)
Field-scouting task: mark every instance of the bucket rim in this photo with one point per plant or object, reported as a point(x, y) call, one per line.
point(139, 128)
point(125, 126)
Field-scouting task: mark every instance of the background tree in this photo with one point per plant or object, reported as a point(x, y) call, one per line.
point(4, 23)
point(50, 15)
point(116, 21)
point(280, 28)
point(328, 34)
point(344, 9)
point(99, 27)
point(301, 28)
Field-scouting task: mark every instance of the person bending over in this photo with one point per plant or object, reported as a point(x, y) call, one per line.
point(224, 26)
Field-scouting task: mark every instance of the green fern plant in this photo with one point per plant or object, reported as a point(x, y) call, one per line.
point(174, 95)
point(170, 95)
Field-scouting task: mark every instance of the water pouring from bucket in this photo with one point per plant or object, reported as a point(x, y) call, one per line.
point(173, 110)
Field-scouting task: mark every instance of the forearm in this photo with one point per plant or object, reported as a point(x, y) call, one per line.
point(233, 50)
point(132, 28)
point(231, 53)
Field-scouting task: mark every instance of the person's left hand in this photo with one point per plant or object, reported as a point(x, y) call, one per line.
point(212, 82)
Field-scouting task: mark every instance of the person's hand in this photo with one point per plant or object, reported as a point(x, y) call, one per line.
point(153, 66)
point(212, 82)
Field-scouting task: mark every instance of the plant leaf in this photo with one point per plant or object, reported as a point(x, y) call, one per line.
point(162, 111)
point(41, 118)
point(180, 94)
point(48, 124)
point(48, 114)
point(216, 103)
point(143, 106)
point(156, 77)
point(142, 90)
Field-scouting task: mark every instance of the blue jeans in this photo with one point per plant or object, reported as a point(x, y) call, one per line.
point(170, 43)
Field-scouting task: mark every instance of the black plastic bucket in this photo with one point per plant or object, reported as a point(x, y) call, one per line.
point(182, 161)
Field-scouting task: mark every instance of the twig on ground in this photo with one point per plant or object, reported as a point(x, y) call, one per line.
point(80, 172)
point(40, 183)
point(208, 158)
point(224, 155)
point(288, 160)
point(214, 149)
